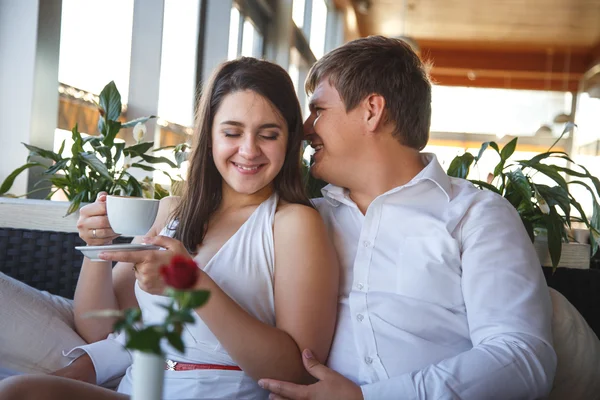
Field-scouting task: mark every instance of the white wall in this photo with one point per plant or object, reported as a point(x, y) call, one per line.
point(29, 48)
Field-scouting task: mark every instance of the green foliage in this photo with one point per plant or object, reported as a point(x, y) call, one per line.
point(541, 207)
point(147, 338)
point(94, 165)
point(313, 186)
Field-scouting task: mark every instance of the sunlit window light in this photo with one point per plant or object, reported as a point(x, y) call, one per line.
point(248, 39)
point(234, 32)
point(318, 27)
point(298, 12)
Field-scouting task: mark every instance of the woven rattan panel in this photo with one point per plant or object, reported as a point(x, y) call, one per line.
point(43, 259)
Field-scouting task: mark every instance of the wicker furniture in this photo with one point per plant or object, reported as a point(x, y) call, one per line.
point(43, 255)
point(37, 244)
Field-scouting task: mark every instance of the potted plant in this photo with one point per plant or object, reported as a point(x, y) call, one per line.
point(94, 164)
point(544, 209)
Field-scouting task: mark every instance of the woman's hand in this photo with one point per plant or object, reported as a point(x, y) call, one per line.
point(93, 225)
point(147, 263)
point(82, 369)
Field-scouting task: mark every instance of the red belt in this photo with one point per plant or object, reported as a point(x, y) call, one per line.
point(180, 366)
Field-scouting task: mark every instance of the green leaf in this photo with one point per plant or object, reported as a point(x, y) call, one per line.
point(58, 166)
point(484, 146)
point(36, 151)
point(181, 157)
point(75, 203)
point(555, 229)
point(197, 298)
point(112, 129)
point(595, 228)
point(133, 315)
point(77, 146)
point(520, 184)
point(494, 146)
point(10, 179)
point(134, 122)
point(134, 188)
point(97, 165)
point(144, 167)
point(499, 167)
point(460, 165)
point(157, 160)
point(550, 171)
point(554, 196)
point(508, 149)
point(62, 148)
point(175, 340)
point(160, 192)
point(146, 340)
point(548, 154)
point(110, 102)
point(118, 151)
point(137, 149)
point(484, 185)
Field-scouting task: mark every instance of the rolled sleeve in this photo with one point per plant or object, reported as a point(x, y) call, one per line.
point(109, 356)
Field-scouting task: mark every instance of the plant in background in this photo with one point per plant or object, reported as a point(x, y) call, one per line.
point(180, 276)
point(313, 186)
point(100, 163)
point(542, 208)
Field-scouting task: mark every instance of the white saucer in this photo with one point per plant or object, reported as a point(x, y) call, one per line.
point(92, 252)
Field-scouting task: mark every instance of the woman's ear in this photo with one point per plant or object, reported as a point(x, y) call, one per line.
point(375, 111)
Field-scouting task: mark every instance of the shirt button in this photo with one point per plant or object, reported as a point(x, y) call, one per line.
point(366, 243)
point(369, 360)
point(360, 286)
point(360, 317)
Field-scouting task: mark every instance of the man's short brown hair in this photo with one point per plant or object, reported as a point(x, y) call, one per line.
point(388, 67)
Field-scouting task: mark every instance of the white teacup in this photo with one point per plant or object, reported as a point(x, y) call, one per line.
point(131, 216)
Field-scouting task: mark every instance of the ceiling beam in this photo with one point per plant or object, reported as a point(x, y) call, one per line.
point(502, 83)
point(507, 61)
point(532, 69)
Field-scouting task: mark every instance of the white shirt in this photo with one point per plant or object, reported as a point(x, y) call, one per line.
point(441, 296)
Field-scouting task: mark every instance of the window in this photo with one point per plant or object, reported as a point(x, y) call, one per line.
point(318, 27)
point(252, 40)
point(495, 111)
point(234, 33)
point(298, 12)
point(246, 38)
point(95, 44)
point(177, 85)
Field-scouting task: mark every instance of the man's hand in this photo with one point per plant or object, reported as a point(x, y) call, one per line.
point(331, 385)
point(82, 369)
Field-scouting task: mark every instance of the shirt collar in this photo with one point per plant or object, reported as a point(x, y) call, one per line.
point(433, 171)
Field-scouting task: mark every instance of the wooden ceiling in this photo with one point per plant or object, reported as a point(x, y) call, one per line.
point(519, 44)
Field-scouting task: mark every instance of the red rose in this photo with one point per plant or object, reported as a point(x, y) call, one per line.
point(182, 273)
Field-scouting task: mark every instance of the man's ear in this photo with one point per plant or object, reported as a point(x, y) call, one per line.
point(374, 111)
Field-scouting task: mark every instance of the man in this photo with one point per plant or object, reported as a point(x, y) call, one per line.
point(442, 295)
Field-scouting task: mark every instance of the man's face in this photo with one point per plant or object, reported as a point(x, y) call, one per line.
point(334, 134)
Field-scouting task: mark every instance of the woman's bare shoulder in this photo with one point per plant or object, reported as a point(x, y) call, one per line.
point(293, 215)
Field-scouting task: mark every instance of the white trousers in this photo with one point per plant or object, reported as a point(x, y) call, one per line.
point(35, 328)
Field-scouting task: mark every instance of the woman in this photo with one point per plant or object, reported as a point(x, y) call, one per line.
point(264, 254)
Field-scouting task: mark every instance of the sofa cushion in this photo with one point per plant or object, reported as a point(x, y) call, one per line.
point(578, 351)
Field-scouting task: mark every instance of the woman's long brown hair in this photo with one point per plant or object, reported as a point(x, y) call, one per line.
point(202, 193)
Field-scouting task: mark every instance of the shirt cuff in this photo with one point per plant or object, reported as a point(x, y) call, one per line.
point(400, 387)
point(109, 357)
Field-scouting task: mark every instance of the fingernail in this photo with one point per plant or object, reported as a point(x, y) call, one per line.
point(307, 354)
point(261, 384)
point(102, 255)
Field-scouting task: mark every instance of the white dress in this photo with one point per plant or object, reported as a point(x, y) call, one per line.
point(243, 268)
